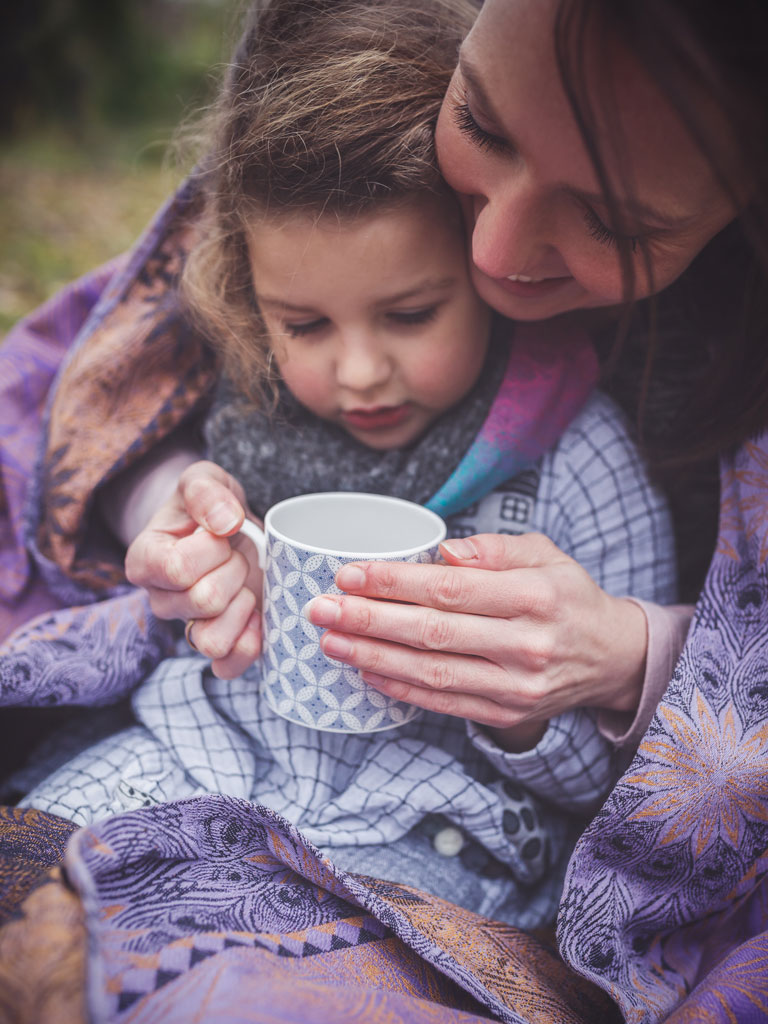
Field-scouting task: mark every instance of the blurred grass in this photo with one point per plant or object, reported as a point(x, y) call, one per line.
point(77, 190)
point(63, 212)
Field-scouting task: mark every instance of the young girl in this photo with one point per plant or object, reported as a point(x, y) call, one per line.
point(332, 272)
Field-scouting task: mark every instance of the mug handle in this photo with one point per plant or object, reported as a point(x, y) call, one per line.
point(257, 535)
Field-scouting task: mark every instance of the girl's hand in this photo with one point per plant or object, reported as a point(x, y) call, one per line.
point(510, 631)
point(210, 576)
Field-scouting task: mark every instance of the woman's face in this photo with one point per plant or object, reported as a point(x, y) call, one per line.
point(542, 239)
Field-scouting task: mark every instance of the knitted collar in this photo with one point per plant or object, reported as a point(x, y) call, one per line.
point(527, 393)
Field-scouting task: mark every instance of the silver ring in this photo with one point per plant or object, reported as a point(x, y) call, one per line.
point(187, 632)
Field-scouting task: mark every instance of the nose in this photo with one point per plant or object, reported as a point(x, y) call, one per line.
point(514, 231)
point(362, 362)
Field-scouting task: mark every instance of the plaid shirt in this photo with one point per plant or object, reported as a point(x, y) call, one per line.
point(435, 804)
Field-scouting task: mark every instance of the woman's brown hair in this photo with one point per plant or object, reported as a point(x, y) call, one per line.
point(714, 318)
point(328, 106)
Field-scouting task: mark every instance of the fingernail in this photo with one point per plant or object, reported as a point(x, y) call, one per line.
point(221, 518)
point(350, 577)
point(460, 548)
point(336, 646)
point(322, 611)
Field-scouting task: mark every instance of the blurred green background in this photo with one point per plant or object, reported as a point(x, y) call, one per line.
point(93, 93)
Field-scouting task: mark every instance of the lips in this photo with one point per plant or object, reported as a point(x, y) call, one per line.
point(381, 417)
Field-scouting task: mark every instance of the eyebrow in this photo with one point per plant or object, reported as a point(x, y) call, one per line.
point(632, 207)
point(439, 285)
point(277, 303)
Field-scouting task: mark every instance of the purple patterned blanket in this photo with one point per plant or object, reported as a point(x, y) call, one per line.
point(221, 900)
point(220, 906)
point(216, 910)
point(666, 891)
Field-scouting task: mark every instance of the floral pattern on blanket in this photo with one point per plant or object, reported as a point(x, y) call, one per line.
point(670, 873)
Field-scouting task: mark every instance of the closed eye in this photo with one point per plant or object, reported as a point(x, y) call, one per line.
point(467, 125)
point(414, 316)
point(603, 234)
point(299, 330)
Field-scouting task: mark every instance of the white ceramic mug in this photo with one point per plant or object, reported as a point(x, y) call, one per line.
point(305, 541)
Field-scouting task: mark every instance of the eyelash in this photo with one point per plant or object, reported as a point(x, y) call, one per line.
point(604, 235)
point(466, 124)
point(417, 316)
point(404, 318)
point(301, 330)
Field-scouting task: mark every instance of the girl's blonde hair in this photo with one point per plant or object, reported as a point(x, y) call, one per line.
point(328, 106)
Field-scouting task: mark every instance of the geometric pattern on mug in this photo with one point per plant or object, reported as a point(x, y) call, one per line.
point(300, 682)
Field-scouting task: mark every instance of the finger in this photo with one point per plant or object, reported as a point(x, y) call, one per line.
point(213, 594)
point(246, 650)
point(156, 559)
point(208, 596)
point(451, 588)
point(454, 674)
point(213, 498)
point(460, 705)
point(432, 630)
point(217, 637)
point(498, 551)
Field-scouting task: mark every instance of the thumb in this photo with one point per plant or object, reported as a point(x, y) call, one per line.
point(502, 551)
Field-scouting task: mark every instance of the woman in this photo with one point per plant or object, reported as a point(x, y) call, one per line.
point(603, 152)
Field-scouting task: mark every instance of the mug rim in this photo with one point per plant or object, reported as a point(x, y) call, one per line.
point(319, 496)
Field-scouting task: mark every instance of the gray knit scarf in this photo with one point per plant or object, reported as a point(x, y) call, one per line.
point(291, 451)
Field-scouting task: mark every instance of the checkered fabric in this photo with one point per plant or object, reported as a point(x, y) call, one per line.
point(376, 803)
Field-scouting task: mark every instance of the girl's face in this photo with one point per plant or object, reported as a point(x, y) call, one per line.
point(373, 321)
point(542, 241)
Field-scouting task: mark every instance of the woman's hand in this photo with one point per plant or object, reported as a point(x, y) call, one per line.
point(509, 631)
point(211, 575)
